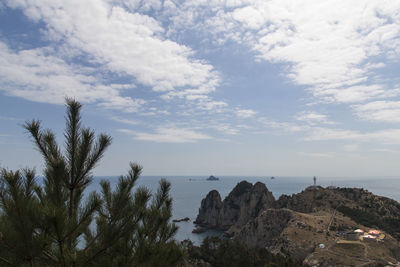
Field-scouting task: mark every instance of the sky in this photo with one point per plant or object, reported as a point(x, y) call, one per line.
point(201, 87)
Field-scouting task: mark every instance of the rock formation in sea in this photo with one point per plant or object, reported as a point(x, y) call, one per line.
point(209, 212)
point(242, 204)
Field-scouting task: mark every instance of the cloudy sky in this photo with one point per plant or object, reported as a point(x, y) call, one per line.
point(200, 87)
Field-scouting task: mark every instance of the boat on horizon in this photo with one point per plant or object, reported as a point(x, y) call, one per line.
point(212, 178)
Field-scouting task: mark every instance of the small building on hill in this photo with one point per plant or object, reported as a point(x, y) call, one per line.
point(374, 232)
point(352, 236)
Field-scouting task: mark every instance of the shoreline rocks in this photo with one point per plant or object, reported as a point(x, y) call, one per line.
point(186, 219)
point(199, 230)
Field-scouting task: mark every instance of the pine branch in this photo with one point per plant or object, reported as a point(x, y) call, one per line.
point(29, 182)
point(92, 241)
point(93, 205)
point(119, 234)
point(72, 134)
point(14, 188)
point(33, 128)
point(129, 219)
point(51, 257)
point(6, 261)
point(85, 147)
point(61, 248)
point(135, 171)
point(72, 138)
point(102, 143)
point(49, 141)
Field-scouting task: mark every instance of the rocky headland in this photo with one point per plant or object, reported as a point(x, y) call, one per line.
point(245, 202)
point(315, 226)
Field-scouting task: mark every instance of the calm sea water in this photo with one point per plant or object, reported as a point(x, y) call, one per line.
point(187, 192)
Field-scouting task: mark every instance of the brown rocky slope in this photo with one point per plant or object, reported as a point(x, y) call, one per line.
point(310, 225)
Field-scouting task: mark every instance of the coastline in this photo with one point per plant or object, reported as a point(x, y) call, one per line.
point(187, 194)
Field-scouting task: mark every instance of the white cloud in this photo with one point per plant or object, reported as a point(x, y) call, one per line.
point(125, 121)
point(142, 5)
point(384, 111)
point(245, 113)
point(286, 126)
point(168, 135)
point(7, 118)
point(384, 150)
point(387, 136)
point(323, 134)
point(116, 38)
point(350, 147)
point(37, 76)
point(316, 155)
point(352, 94)
point(251, 17)
point(124, 104)
point(224, 128)
point(124, 42)
point(335, 48)
point(317, 133)
point(313, 118)
point(211, 105)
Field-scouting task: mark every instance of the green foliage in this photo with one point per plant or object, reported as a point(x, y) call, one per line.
point(52, 224)
point(219, 252)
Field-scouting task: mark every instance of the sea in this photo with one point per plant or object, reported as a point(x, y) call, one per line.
point(188, 191)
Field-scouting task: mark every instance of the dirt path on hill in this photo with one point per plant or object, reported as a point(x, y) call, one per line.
point(365, 259)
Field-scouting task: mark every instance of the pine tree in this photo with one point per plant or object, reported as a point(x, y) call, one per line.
point(52, 222)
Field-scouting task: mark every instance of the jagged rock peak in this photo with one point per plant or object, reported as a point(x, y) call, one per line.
point(209, 210)
point(243, 203)
point(241, 188)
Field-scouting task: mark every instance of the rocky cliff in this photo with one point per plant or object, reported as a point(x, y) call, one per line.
point(210, 210)
point(265, 228)
point(300, 223)
point(244, 203)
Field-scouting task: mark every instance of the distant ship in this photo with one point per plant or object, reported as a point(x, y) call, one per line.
point(212, 178)
point(272, 177)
